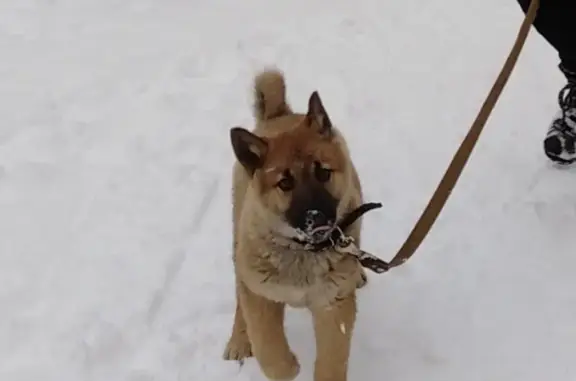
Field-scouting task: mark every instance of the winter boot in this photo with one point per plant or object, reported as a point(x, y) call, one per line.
point(560, 142)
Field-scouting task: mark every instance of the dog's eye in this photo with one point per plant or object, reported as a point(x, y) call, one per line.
point(322, 174)
point(286, 184)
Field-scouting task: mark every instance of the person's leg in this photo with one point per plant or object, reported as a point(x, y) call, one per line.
point(556, 22)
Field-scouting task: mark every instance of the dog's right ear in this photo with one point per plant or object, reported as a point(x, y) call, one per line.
point(250, 150)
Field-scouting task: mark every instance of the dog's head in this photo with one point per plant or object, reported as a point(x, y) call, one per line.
point(301, 176)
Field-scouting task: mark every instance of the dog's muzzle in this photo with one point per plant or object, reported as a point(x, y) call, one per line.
point(318, 227)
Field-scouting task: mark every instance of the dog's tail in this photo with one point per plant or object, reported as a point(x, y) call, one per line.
point(270, 95)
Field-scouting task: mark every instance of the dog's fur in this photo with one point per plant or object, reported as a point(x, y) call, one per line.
point(272, 270)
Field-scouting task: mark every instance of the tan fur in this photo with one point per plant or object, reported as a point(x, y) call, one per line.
point(271, 271)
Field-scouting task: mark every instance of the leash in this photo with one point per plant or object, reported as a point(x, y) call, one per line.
point(450, 178)
point(345, 245)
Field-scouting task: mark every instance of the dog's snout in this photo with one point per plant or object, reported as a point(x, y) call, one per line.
point(316, 218)
point(312, 208)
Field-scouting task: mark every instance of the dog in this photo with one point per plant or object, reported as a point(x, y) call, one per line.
point(293, 178)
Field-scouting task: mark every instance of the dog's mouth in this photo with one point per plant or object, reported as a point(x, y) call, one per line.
point(316, 227)
point(315, 234)
point(320, 234)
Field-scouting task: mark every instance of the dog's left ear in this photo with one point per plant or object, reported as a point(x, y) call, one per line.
point(250, 150)
point(317, 117)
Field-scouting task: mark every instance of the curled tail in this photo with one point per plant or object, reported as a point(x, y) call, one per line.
point(270, 95)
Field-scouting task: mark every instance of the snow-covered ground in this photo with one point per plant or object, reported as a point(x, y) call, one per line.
point(115, 181)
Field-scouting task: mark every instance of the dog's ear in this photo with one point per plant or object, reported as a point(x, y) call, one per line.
point(317, 117)
point(250, 150)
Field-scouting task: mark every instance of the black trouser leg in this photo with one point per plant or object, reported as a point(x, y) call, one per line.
point(556, 22)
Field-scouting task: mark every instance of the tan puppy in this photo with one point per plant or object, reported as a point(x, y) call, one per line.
point(292, 181)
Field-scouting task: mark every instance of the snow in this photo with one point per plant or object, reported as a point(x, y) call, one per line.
point(115, 186)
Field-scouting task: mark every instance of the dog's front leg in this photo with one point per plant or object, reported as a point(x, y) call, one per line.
point(238, 347)
point(333, 328)
point(265, 324)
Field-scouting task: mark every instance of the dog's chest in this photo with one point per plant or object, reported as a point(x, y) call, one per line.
point(305, 279)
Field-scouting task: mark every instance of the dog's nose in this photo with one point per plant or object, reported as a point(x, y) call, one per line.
point(315, 218)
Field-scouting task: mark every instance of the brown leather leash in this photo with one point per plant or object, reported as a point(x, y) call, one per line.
point(344, 244)
point(450, 178)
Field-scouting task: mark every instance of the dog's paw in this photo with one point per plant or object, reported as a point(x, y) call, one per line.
point(286, 369)
point(238, 348)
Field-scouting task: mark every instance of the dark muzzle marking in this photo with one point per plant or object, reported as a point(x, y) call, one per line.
point(312, 209)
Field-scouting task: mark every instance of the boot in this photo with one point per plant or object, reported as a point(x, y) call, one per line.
point(560, 141)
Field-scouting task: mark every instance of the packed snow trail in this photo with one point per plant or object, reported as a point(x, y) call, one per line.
point(115, 186)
